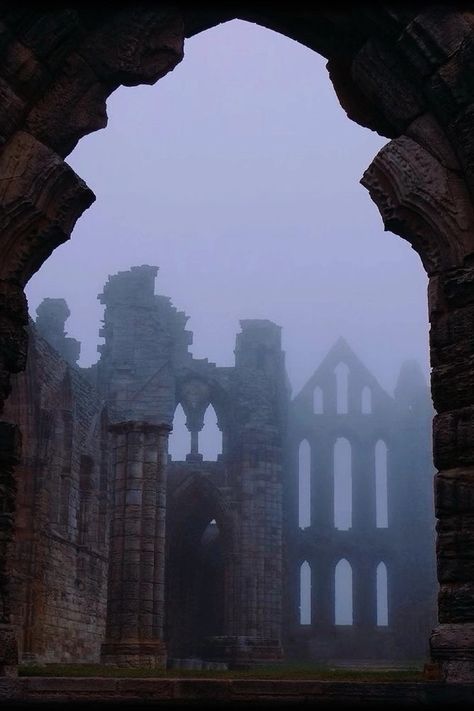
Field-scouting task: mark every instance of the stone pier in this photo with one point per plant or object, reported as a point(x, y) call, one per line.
point(134, 629)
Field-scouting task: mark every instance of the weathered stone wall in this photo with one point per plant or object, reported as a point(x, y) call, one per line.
point(144, 372)
point(145, 343)
point(58, 563)
point(67, 496)
point(402, 71)
point(135, 603)
point(404, 542)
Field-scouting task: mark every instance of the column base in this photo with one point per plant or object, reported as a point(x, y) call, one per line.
point(8, 651)
point(134, 654)
point(243, 652)
point(452, 648)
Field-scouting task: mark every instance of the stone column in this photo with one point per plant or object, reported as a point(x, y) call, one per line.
point(364, 595)
point(322, 484)
point(134, 629)
point(10, 448)
point(451, 300)
point(322, 573)
point(195, 423)
point(363, 490)
point(254, 615)
point(194, 455)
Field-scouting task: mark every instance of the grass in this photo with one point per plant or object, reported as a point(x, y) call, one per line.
point(296, 671)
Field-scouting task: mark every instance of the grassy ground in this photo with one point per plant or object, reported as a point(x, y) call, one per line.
point(411, 673)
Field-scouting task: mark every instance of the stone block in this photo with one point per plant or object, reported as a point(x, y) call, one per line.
point(456, 603)
point(453, 438)
point(73, 106)
point(454, 492)
point(455, 548)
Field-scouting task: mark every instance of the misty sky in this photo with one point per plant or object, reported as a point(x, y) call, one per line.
point(238, 175)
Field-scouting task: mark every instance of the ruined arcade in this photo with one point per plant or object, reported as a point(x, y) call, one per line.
point(127, 556)
point(403, 72)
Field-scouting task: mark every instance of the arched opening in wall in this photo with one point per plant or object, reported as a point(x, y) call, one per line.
point(366, 401)
point(343, 593)
point(195, 588)
point(304, 484)
point(210, 437)
point(382, 595)
point(318, 401)
point(179, 442)
point(341, 372)
point(342, 484)
point(381, 484)
point(185, 243)
point(305, 593)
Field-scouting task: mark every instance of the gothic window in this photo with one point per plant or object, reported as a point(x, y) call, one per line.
point(342, 388)
point(304, 484)
point(382, 595)
point(343, 593)
point(342, 484)
point(305, 593)
point(210, 437)
point(381, 488)
point(180, 438)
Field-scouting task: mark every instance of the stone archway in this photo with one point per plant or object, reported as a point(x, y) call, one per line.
point(199, 573)
point(404, 72)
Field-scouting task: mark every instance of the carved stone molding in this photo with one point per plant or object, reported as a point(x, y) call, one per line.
point(422, 201)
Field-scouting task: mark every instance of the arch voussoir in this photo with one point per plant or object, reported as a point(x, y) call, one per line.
point(424, 202)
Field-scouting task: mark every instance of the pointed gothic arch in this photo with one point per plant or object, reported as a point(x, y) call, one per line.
point(386, 75)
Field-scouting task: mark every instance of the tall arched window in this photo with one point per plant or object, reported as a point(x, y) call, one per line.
point(343, 593)
point(342, 484)
point(180, 438)
point(210, 437)
point(381, 485)
point(305, 593)
point(382, 595)
point(304, 484)
point(366, 401)
point(318, 401)
point(342, 388)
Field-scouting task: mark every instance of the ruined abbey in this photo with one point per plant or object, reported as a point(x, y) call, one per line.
point(125, 556)
point(89, 501)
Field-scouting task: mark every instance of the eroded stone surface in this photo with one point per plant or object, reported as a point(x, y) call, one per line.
point(221, 581)
point(421, 56)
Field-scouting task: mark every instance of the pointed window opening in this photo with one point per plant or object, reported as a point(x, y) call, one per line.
point(381, 485)
point(366, 401)
point(304, 485)
point(305, 593)
point(210, 437)
point(342, 484)
point(382, 595)
point(180, 438)
point(318, 401)
point(343, 593)
point(342, 388)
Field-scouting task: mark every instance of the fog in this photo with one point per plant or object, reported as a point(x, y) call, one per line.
point(238, 175)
